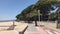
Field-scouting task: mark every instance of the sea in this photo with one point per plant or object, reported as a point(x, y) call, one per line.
point(7, 20)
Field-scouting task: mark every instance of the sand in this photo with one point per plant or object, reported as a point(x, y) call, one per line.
point(19, 27)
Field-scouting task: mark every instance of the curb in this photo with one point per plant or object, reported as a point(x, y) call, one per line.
point(23, 30)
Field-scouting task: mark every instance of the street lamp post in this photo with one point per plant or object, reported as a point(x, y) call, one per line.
point(58, 21)
point(39, 15)
point(13, 23)
point(38, 18)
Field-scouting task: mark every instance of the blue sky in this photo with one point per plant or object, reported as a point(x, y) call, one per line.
point(10, 8)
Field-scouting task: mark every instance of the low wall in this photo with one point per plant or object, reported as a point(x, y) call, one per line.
point(49, 24)
point(52, 24)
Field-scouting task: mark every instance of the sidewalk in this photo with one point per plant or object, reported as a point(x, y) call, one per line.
point(32, 29)
point(49, 25)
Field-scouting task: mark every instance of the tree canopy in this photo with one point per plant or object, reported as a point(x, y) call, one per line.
point(31, 12)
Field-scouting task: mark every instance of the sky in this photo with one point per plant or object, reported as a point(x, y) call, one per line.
point(10, 8)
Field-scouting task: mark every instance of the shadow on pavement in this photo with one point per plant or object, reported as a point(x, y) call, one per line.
point(30, 22)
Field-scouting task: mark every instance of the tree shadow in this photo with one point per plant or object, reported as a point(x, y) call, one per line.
point(11, 27)
point(30, 22)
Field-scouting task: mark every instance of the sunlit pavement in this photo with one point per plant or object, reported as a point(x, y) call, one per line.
point(39, 30)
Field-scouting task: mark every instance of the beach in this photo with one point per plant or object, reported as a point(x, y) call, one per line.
point(9, 28)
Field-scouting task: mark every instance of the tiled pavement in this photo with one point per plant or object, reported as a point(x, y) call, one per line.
point(46, 30)
point(31, 29)
point(39, 30)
